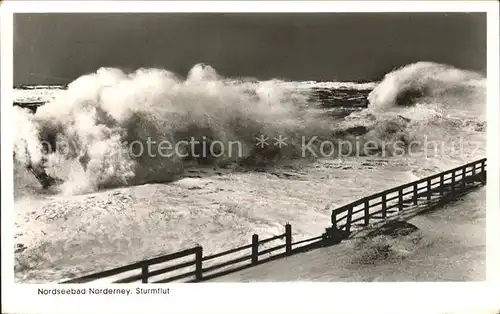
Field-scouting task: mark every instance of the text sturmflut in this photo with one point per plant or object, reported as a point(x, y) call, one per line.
point(102, 291)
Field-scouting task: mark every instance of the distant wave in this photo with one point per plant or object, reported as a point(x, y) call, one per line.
point(330, 85)
point(444, 86)
point(21, 86)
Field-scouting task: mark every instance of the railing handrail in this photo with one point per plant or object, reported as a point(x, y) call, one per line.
point(345, 207)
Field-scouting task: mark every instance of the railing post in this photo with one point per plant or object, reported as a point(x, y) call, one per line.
point(255, 249)
point(463, 176)
point(288, 239)
point(384, 206)
point(367, 212)
point(473, 169)
point(415, 194)
point(429, 188)
point(334, 219)
point(198, 261)
point(441, 184)
point(349, 219)
point(483, 171)
point(453, 182)
point(400, 199)
point(144, 273)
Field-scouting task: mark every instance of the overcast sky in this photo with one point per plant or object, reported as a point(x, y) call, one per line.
point(57, 48)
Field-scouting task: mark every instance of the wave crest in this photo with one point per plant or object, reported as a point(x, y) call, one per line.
point(99, 117)
point(444, 86)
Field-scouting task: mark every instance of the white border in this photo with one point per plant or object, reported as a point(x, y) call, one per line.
point(247, 6)
point(274, 297)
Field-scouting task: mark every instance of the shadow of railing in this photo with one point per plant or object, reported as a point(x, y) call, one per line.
point(201, 268)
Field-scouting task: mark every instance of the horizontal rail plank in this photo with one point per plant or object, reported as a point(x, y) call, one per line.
point(376, 204)
point(407, 193)
point(396, 205)
point(372, 215)
point(171, 268)
point(272, 249)
point(422, 188)
point(342, 217)
point(280, 236)
point(392, 198)
point(357, 211)
point(238, 249)
point(228, 263)
point(357, 219)
point(302, 248)
point(307, 240)
point(166, 258)
point(274, 257)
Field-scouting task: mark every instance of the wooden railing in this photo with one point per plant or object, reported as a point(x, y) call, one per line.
point(380, 205)
point(199, 268)
point(191, 266)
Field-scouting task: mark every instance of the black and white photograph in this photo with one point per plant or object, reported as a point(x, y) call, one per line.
point(248, 147)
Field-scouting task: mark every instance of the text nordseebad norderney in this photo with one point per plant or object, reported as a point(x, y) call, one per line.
point(102, 291)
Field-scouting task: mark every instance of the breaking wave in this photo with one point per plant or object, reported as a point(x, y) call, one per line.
point(102, 117)
point(95, 134)
point(445, 88)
